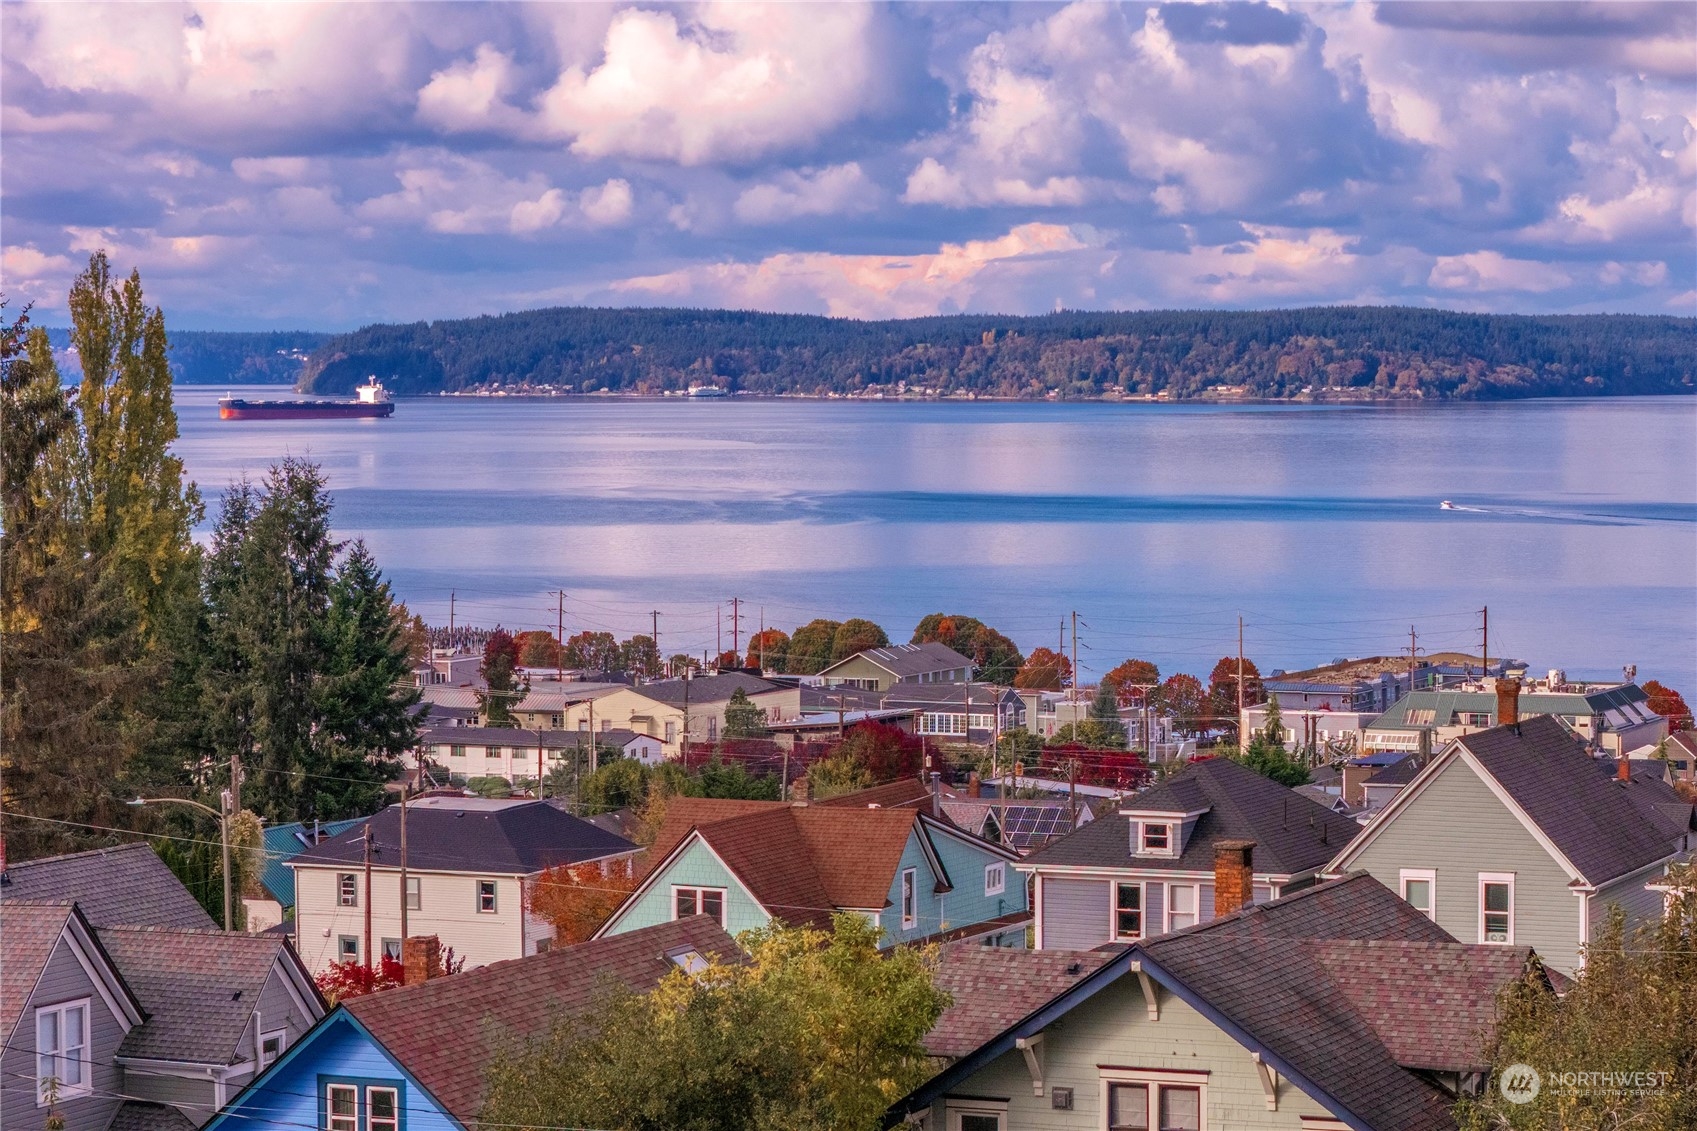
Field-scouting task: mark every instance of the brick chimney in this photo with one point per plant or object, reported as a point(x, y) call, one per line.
point(1624, 770)
point(1508, 702)
point(972, 784)
point(1234, 876)
point(421, 959)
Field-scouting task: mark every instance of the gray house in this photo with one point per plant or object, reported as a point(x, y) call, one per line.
point(126, 1028)
point(880, 669)
point(1516, 836)
point(1149, 868)
point(1337, 1007)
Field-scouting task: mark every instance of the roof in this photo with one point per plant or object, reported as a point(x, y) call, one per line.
point(449, 1031)
point(282, 844)
point(134, 1115)
point(830, 720)
point(993, 987)
point(1292, 834)
point(903, 792)
point(948, 694)
point(28, 934)
point(1400, 772)
point(1029, 824)
point(126, 884)
point(199, 988)
point(521, 738)
point(1585, 814)
point(458, 835)
point(1445, 704)
point(906, 661)
point(1657, 801)
point(707, 688)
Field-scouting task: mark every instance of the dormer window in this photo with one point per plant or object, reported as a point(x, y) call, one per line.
point(1157, 837)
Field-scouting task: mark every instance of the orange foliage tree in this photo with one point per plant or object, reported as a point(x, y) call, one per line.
point(578, 898)
point(1668, 703)
point(1046, 670)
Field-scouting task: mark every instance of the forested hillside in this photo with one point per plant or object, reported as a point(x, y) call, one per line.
point(205, 357)
point(1357, 352)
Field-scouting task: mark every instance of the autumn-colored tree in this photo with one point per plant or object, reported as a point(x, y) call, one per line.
point(856, 635)
point(412, 633)
point(886, 752)
point(593, 651)
point(1668, 703)
point(1183, 697)
point(1116, 769)
point(1222, 687)
point(500, 658)
point(996, 658)
point(727, 660)
point(1044, 670)
point(768, 649)
point(353, 978)
point(811, 646)
point(1129, 680)
point(538, 649)
point(578, 898)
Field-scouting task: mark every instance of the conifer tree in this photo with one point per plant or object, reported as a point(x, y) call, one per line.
point(1105, 712)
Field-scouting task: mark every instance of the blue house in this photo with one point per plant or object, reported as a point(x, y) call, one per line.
point(418, 1058)
point(746, 863)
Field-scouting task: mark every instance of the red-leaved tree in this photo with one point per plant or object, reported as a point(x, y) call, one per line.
point(1668, 703)
point(887, 752)
point(1129, 680)
point(1044, 670)
point(342, 980)
point(1116, 769)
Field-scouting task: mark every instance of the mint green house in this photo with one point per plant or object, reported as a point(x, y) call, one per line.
point(748, 863)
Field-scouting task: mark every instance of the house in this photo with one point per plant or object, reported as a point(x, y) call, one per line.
point(1613, 717)
point(746, 863)
point(1024, 825)
point(1148, 867)
point(468, 864)
point(418, 1058)
point(962, 712)
point(1516, 836)
point(138, 1028)
point(283, 843)
point(127, 885)
point(516, 753)
point(1337, 1007)
point(880, 669)
point(672, 709)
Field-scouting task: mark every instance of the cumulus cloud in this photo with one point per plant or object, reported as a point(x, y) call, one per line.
point(1493, 271)
point(834, 190)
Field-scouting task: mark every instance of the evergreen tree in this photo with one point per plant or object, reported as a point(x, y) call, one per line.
point(502, 689)
point(743, 719)
point(1105, 712)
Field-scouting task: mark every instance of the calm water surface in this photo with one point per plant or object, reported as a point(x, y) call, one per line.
point(1576, 521)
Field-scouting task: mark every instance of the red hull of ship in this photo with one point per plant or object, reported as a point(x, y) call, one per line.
point(299, 410)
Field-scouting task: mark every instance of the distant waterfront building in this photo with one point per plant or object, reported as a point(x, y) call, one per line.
point(1615, 718)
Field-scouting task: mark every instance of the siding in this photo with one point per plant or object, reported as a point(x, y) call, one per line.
point(194, 1099)
point(63, 979)
point(965, 864)
point(696, 867)
point(1114, 1028)
point(1458, 828)
point(929, 907)
point(1640, 905)
point(1075, 914)
point(448, 909)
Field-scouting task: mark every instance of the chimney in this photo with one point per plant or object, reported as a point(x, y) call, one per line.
point(1624, 770)
point(936, 793)
point(1508, 702)
point(973, 784)
point(1234, 876)
point(421, 959)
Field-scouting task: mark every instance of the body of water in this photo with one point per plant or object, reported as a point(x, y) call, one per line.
point(1574, 521)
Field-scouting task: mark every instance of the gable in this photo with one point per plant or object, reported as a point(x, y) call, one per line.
point(692, 863)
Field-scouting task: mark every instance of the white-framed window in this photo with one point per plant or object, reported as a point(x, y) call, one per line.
point(1137, 1099)
point(493, 752)
point(1157, 837)
point(415, 893)
point(382, 1109)
point(1496, 907)
point(347, 948)
point(341, 1107)
point(1420, 889)
point(995, 878)
point(347, 889)
point(61, 1051)
point(1128, 912)
point(975, 1115)
point(486, 897)
point(1181, 906)
point(687, 901)
point(392, 949)
point(271, 1046)
point(456, 751)
point(671, 732)
point(910, 899)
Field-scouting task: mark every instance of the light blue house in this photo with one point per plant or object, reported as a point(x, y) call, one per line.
point(418, 1058)
point(745, 864)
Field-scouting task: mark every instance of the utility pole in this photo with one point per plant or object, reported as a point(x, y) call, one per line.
point(1072, 792)
point(1413, 644)
point(718, 634)
point(1485, 628)
point(840, 710)
point(560, 638)
point(452, 594)
point(367, 839)
point(685, 745)
point(404, 856)
point(736, 625)
point(659, 656)
point(1240, 678)
point(762, 639)
point(594, 748)
point(1072, 692)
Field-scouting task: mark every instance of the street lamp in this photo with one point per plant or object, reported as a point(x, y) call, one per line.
point(223, 832)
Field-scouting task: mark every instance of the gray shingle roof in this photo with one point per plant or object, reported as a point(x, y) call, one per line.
point(995, 987)
point(28, 934)
point(199, 988)
point(707, 689)
point(1585, 813)
point(1292, 834)
point(505, 840)
point(133, 1115)
point(124, 885)
point(905, 661)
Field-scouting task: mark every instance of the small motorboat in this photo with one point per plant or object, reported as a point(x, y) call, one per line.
point(1446, 505)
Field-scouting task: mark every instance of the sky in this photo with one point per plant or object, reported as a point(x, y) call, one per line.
point(325, 166)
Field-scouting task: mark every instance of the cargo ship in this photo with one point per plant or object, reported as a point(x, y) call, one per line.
point(371, 399)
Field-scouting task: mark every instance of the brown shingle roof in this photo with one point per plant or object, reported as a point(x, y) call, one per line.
point(448, 1032)
point(903, 793)
point(994, 988)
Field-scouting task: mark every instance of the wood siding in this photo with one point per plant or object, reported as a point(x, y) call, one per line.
point(63, 979)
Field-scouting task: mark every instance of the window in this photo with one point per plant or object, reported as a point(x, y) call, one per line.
point(1156, 837)
point(341, 1107)
point(486, 897)
point(415, 893)
point(1181, 906)
point(456, 752)
point(382, 1110)
point(492, 752)
point(1154, 1100)
point(392, 949)
point(1496, 907)
point(975, 1115)
point(347, 947)
point(671, 732)
point(698, 901)
point(1128, 911)
point(995, 878)
point(689, 961)
point(712, 730)
point(271, 1047)
point(347, 888)
point(61, 1051)
point(1419, 886)
point(910, 900)
point(558, 722)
